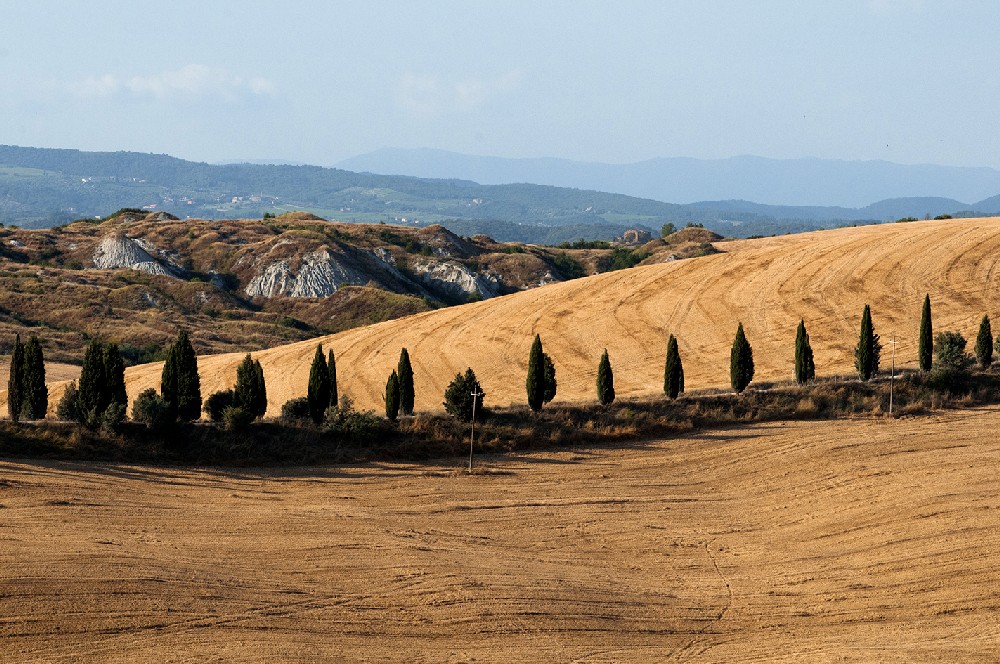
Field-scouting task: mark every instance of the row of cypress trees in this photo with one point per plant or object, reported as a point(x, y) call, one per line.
point(27, 395)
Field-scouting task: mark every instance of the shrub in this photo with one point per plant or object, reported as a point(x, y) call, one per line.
point(951, 362)
point(69, 406)
point(235, 418)
point(151, 409)
point(343, 420)
point(458, 399)
point(217, 402)
point(296, 410)
point(112, 417)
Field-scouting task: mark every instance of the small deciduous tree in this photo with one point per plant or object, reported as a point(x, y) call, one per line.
point(151, 409)
point(458, 399)
point(15, 381)
point(925, 343)
point(869, 350)
point(805, 370)
point(535, 382)
point(404, 372)
point(392, 397)
point(319, 386)
point(605, 380)
point(217, 402)
point(984, 343)
point(673, 371)
point(741, 367)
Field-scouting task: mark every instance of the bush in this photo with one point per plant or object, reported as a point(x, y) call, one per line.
point(69, 406)
point(151, 409)
point(235, 418)
point(951, 362)
point(217, 403)
point(344, 421)
point(112, 417)
point(296, 410)
point(458, 400)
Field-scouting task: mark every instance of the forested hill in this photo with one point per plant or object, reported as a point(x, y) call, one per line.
point(42, 187)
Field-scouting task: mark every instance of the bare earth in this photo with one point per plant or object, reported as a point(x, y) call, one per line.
point(856, 540)
point(824, 277)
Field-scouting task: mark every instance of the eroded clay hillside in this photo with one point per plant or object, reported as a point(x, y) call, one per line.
point(250, 284)
point(824, 278)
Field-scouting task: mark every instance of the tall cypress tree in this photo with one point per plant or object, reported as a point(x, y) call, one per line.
point(869, 350)
point(925, 345)
point(550, 379)
point(169, 378)
point(984, 343)
point(392, 396)
point(805, 370)
point(535, 382)
point(259, 390)
point(741, 367)
point(404, 375)
point(605, 380)
point(35, 393)
point(15, 382)
point(180, 384)
point(91, 393)
point(331, 365)
point(673, 372)
point(114, 377)
point(245, 390)
point(318, 395)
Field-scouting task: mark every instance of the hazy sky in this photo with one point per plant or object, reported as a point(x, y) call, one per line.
point(909, 81)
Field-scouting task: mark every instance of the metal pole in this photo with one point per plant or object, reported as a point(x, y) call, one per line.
point(472, 432)
point(892, 374)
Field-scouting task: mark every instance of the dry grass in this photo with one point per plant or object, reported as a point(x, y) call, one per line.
point(847, 541)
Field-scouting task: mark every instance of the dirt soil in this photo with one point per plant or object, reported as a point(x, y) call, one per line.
point(867, 540)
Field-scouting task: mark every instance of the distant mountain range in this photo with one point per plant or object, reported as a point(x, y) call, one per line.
point(785, 182)
point(46, 187)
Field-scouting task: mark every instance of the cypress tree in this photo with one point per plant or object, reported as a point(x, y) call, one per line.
point(90, 391)
point(404, 374)
point(331, 365)
point(245, 397)
point(740, 361)
point(319, 386)
point(605, 380)
point(673, 372)
point(805, 370)
point(550, 379)
point(15, 396)
point(260, 391)
point(925, 345)
point(188, 380)
point(984, 343)
point(114, 377)
point(535, 382)
point(35, 393)
point(392, 390)
point(869, 350)
point(169, 379)
point(458, 399)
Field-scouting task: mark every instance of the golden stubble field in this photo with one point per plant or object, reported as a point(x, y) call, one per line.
point(868, 540)
point(769, 284)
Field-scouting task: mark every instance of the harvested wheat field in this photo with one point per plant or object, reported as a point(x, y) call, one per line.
point(862, 540)
point(824, 277)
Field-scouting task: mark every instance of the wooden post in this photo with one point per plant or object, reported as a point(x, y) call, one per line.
point(472, 433)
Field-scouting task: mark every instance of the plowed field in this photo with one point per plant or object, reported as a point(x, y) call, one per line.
point(856, 541)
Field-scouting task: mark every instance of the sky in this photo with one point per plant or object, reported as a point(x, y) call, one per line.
point(908, 81)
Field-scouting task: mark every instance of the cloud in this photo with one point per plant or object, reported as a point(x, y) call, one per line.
point(190, 81)
point(429, 95)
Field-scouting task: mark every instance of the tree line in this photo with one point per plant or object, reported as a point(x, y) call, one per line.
point(98, 399)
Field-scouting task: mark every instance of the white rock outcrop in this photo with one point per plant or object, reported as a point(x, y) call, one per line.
point(455, 279)
point(319, 275)
point(117, 251)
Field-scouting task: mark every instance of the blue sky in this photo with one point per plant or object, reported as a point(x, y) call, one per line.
point(911, 81)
